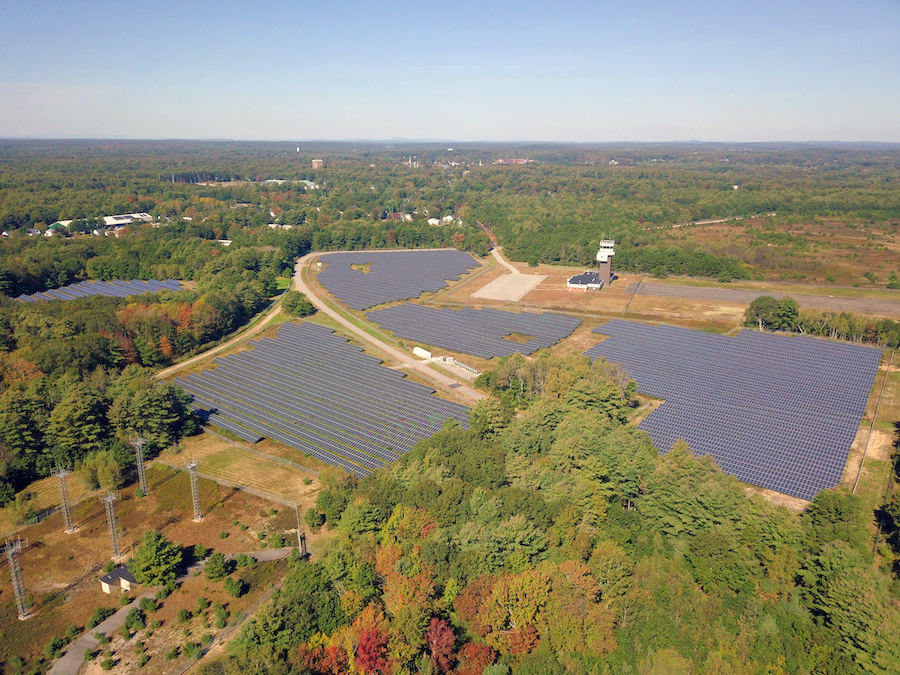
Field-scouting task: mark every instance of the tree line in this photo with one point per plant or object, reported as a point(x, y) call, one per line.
point(767, 313)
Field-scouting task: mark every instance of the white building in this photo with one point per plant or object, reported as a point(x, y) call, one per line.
point(126, 219)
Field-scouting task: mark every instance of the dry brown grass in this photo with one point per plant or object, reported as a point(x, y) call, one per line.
point(60, 571)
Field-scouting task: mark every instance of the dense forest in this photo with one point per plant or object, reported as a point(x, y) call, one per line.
point(560, 541)
point(554, 210)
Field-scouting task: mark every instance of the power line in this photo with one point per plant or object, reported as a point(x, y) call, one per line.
point(61, 474)
point(138, 445)
point(195, 491)
point(13, 549)
point(108, 499)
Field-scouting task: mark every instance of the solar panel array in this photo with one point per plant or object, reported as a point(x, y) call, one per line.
point(776, 411)
point(314, 391)
point(392, 275)
point(478, 332)
point(116, 289)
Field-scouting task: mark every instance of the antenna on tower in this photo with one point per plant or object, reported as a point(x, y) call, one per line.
point(61, 474)
point(138, 445)
point(108, 499)
point(195, 491)
point(13, 549)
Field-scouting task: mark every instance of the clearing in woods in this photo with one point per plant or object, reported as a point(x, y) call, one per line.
point(60, 571)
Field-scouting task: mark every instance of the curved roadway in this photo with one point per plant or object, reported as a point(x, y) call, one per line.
point(438, 378)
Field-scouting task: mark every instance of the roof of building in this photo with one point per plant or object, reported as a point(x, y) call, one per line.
point(586, 278)
point(121, 572)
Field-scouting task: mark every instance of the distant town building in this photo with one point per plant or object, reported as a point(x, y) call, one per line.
point(126, 219)
point(514, 161)
point(318, 163)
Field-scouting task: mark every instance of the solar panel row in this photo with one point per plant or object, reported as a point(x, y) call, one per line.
point(776, 411)
point(478, 332)
point(312, 390)
point(391, 275)
point(116, 289)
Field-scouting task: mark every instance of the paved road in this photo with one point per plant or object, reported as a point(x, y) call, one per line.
point(70, 662)
point(885, 307)
point(448, 383)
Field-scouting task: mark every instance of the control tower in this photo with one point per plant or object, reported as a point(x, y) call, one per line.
point(604, 260)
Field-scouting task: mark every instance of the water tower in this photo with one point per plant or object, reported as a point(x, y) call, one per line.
point(604, 260)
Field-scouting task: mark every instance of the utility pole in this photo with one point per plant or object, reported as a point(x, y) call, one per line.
point(195, 491)
point(64, 493)
point(108, 499)
point(138, 445)
point(301, 536)
point(13, 549)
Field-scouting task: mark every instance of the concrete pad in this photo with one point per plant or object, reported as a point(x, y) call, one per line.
point(511, 287)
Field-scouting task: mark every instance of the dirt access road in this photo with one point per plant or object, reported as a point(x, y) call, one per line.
point(440, 379)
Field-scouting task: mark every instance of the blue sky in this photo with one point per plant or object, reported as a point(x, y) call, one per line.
point(647, 70)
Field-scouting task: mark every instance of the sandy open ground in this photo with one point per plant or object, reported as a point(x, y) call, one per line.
point(510, 287)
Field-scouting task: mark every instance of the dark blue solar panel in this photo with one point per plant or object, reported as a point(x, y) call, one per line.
point(478, 332)
point(116, 289)
point(392, 275)
point(314, 391)
point(776, 411)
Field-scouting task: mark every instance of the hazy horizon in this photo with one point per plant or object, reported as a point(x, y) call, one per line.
point(576, 72)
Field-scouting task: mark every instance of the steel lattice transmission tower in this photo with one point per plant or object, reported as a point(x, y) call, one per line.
point(13, 549)
point(195, 491)
point(138, 445)
point(108, 499)
point(61, 474)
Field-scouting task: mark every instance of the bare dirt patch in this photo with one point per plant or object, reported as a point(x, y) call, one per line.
point(792, 504)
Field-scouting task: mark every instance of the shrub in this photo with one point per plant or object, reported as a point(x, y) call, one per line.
point(101, 638)
point(200, 552)
point(156, 624)
point(126, 600)
point(90, 655)
point(148, 605)
point(314, 519)
point(126, 633)
point(272, 511)
point(217, 567)
point(173, 653)
point(202, 603)
point(109, 567)
point(192, 650)
point(53, 649)
point(277, 540)
point(135, 620)
point(221, 617)
point(223, 535)
point(235, 587)
point(72, 631)
point(244, 560)
point(143, 660)
point(107, 664)
point(184, 615)
point(139, 493)
point(243, 527)
point(100, 615)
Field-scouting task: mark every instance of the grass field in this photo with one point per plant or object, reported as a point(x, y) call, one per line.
point(60, 570)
